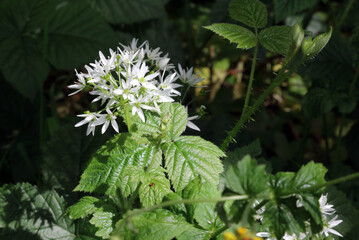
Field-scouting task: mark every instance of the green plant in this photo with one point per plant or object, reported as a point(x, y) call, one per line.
point(151, 182)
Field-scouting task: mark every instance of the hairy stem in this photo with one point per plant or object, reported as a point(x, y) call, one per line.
point(282, 75)
point(186, 201)
point(249, 89)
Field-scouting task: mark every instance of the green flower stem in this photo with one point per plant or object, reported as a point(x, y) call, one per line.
point(187, 201)
point(219, 231)
point(185, 93)
point(329, 183)
point(251, 78)
point(282, 75)
point(127, 118)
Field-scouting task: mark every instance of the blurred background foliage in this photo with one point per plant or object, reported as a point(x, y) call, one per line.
point(312, 116)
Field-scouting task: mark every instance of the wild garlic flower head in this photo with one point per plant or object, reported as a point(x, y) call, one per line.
point(134, 76)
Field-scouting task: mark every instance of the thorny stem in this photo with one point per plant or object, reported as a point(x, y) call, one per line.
point(249, 89)
point(282, 75)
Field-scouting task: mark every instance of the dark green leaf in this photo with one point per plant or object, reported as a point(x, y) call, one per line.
point(250, 12)
point(191, 156)
point(77, 30)
point(84, 207)
point(317, 101)
point(117, 11)
point(247, 178)
point(277, 39)
point(235, 34)
point(311, 204)
point(310, 175)
point(286, 8)
point(27, 211)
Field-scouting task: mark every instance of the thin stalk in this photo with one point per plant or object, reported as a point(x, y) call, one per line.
point(345, 13)
point(329, 183)
point(246, 115)
point(251, 77)
point(219, 231)
point(185, 93)
point(128, 118)
point(186, 201)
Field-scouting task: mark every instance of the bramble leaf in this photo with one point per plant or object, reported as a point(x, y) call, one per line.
point(243, 37)
point(250, 12)
point(102, 211)
point(277, 39)
point(190, 156)
point(105, 173)
point(311, 47)
point(173, 120)
point(159, 224)
point(310, 175)
point(29, 212)
point(247, 178)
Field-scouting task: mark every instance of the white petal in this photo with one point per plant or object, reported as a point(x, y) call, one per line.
point(105, 126)
point(193, 126)
point(114, 125)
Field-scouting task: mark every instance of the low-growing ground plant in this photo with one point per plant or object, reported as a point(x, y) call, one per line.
point(150, 181)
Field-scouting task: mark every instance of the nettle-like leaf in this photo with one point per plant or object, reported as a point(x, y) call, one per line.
point(154, 184)
point(277, 39)
point(311, 47)
point(103, 214)
point(204, 213)
point(28, 212)
point(247, 177)
point(243, 37)
point(159, 224)
point(250, 12)
point(172, 120)
point(190, 156)
point(310, 175)
point(105, 173)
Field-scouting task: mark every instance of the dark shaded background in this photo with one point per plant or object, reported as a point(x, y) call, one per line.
point(313, 116)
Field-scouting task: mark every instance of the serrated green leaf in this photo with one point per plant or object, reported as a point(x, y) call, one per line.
point(283, 182)
point(247, 178)
point(311, 204)
point(84, 207)
point(105, 173)
point(179, 209)
point(191, 156)
point(117, 11)
point(311, 47)
point(250, 12)
point(154, 187)
point(243, 37)
point(310, 175)
point(279, 219)
point(29, 212)
point(85, 230)
point(173, 120)
point(277, 39)
point(159, 224)
point(104, 222)
point(286, 8)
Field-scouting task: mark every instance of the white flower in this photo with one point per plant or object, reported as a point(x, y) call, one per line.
point(126, 91)
point(106, 119)
point(81, 83)
point(328, 227)
point(187, 76)
point(90, 118)
point(137, 106)
point(326, 209)
point(294, 237)
point(191, 124)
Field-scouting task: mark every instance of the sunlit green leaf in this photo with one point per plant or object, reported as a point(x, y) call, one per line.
point(243, 37)
point(191, 156)
point(250, 12)
point(311, 47)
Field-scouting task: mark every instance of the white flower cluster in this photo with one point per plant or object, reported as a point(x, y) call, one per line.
point(328, 224)
point(134, 76)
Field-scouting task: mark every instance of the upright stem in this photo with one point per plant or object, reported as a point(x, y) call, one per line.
point(251, 77)
point(345, 13)
point(247, 114)
point(128, 118)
